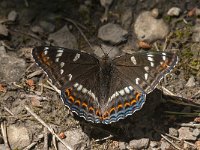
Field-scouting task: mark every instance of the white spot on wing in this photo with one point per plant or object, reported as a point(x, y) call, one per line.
point(131, 88)
point(46, 48)
point(91, 94)
point(152, 64)
point(164, 57)
point(84, 90)
point(164, 54)
point(76, 57)
point(60, 50)
point(45, 52)
point(137, 80)
point(133, 60)
point(70, 77)
point(59, 54)
point(113, 96)
point(76, 85)
point(146, 68)
point(122, 92)
point(79, 87)
point(61, 71)
point(146, 76)
point(57, 59)
point(62, 64)
point(126, 89)
point(150, 58)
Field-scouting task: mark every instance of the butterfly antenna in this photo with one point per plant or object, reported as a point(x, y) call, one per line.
point(105, 54)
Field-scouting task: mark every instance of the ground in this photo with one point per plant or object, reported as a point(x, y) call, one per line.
point(170, 116)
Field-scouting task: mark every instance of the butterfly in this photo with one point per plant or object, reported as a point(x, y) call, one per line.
point(103, 90)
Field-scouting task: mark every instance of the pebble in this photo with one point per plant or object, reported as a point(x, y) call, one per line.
point(126, 18)
point(191, 82)
point(155, 12)
point(3, 30)
point(174, 11)
point(12, 16)
point(12, 68)
point(113, 33)
point(122, 145)
point(37, 29)
point(47, 26)
point(173, 132)
point(75, 138)
point(64, 38)
point(149, 29)
point(186, 134)
point(196, 32)
point(196, 132)
point(18, 137)
point(100, 51)
point(153, 144)
point(139, 144)
point(197, 12)
point(164, 145)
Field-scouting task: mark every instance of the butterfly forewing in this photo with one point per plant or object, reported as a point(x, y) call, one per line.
point(145, 69)
point(63, 65)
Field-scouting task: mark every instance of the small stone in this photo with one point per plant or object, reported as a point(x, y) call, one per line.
point(191, 82)
point(164, 145)
point(3, 30)
point(197, 12)
point(186, 134)
point(105, 3)
point(12, 68)
point(153, 144)
point(149, 29)
point(139, 144)
point(197, 143)
point(196, 32)
point(100, 51)
point(37, 29)
point(112, 33)
point(75, 138)
point(126, 18)
point(173, 132)
point(64, 38)
point(174, 11)
point(196, 132)
point(12, 16)
point(47, 26)
point(155, 12)
point(122, 145)
point(18, 137)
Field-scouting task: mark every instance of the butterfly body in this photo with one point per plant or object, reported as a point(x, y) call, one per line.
point(103, 90)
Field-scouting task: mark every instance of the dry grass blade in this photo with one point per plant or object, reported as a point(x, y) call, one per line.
point(4, 134)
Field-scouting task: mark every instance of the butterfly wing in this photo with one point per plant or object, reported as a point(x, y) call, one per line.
point(75, 73)
point(137, 75)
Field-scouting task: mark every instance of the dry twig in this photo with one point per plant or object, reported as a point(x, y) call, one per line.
point(171, 142)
